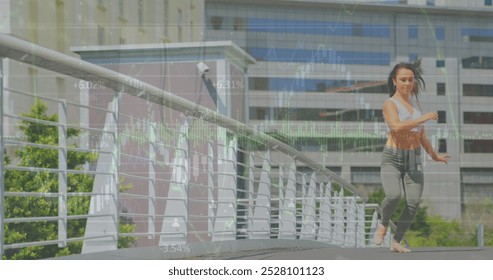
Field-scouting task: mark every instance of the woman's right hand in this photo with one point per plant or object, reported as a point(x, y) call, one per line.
point(430, 116)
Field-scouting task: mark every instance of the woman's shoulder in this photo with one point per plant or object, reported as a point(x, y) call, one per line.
point(390, 105)
point(390, 100)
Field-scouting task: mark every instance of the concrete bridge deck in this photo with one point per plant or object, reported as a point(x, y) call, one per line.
point(437, 253)
point(276, 249)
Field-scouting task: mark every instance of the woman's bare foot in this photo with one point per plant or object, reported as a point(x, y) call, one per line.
point(397, 247)
point(380, 234)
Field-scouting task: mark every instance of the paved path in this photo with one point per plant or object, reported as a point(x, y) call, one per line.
point(277, 249)
point(441, 253)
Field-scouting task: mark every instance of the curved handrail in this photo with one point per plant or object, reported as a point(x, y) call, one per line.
point(27, 52)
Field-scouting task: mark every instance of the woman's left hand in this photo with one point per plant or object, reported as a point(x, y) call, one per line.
point(441, 158)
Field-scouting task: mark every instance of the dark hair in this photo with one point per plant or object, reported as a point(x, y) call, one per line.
point(418, 76)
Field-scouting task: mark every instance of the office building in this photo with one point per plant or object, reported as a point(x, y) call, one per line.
point(320, 81)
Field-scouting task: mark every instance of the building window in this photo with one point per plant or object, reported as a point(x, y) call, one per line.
point(476, 184)
point(481, 175)
point(440, 33)
point(337, 144)
point(141, 12)
point(413, 57)
point(477, 34)
point(365, 175)
point(317, 85)
point(258, 83)
point(478, 62)
point(100, 35)
point(440, 88)
point(442, 145)
point(33, 78)
point(308, 171)
point(217, 22)
point(259, 113)
point(315, 27)
point(318, 114)
point(336, 169)
point(240, 24)
point(477, 90)
point(475, 31)
point(430, 2)
point(165, 17)
point(442, 117)
point(478, 118)
point(357, 29)
point(487, 2)
point(440, 63)
point(329, 56)
point(180, 25)
point(472, 62)
point(412, 32)
point(121, 8)
point(478, 146)
point(100, 5)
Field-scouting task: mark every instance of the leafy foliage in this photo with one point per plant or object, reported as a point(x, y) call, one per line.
point(40, 132)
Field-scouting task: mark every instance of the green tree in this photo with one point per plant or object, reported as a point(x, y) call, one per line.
point(443, 234)
point(480, 213)
point(46, 182)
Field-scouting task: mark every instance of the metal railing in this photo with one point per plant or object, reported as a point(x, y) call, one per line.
point(200, 176)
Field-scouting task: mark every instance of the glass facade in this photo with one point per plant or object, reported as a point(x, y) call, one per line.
point(478, 117)
point(337, 144)
point(299, 84)
point(478, 146)
point(477, 90)
point(315, 114)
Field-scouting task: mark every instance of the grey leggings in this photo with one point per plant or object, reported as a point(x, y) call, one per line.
point(401, 167)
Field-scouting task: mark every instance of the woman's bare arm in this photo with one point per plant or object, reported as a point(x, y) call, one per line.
point(429, 149)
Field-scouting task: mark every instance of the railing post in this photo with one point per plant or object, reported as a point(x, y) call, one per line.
point(350, 236)
point(62, 174)
point(174, 229)
point(280, 205)
point(303, 203)
point(251, 188)
point(308, 208)
point(225, 224)
point(262, 213)
point(287, 218)
point(360, 228)
point(325, 229)
point(373, 227)
point(210, 189)
point(2, 182)
point(338, 234)
point(102, 230)
point(151, 208)
point(480, 236)
point(116, 174)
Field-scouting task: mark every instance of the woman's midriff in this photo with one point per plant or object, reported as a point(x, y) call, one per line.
point(404, 140)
